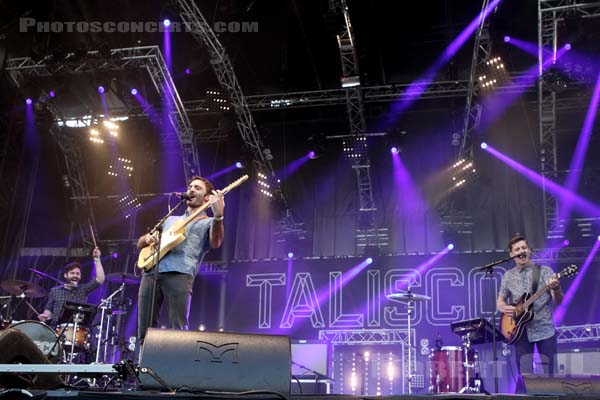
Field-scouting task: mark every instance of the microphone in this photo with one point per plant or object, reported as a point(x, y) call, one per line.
point(522, 255)
point(182, 196)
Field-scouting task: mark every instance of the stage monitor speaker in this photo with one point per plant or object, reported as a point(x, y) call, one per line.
point(215, 361)
point(571, 385)
point(17, 347)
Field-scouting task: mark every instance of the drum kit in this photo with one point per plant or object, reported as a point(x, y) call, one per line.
point(72, 341)
point(452, 368)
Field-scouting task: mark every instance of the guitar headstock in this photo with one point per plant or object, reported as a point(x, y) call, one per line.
point(234, 184)
point(569, 271)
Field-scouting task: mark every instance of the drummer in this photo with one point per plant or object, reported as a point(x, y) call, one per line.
point(72, 290)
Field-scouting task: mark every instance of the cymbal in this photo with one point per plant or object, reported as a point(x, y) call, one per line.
point(18, 288)
point(408, 296)
point(121, 277)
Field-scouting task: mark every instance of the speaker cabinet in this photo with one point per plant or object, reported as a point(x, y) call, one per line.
point(215, 361)
point(572, 385)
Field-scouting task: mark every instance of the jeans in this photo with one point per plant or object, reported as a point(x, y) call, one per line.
point(175, 289)
point(524, 350)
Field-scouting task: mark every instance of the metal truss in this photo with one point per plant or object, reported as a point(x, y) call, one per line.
point(578, 333)
point(482, 50)
point(366, 336)
point(146, 57)
point(550, 12)
point(219, 59)
point(566, 255)
point(356, 119)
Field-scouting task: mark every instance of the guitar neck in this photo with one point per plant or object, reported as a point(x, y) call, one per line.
point(204, 206)
point(538, 294)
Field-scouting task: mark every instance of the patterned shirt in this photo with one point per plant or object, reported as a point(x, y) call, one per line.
point(517, 281)
point(186, 257)
point(59, 295)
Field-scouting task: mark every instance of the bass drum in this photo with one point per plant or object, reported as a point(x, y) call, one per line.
point(44, 338)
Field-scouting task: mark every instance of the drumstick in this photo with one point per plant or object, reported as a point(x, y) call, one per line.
point(93, 237)
point(32, 308)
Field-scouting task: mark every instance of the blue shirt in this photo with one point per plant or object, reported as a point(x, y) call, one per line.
point(186, 257)
point(517, 281)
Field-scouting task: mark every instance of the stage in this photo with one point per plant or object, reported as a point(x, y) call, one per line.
point(140, 395)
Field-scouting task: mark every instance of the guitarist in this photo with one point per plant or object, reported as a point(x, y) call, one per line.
point(176, 271)
point(539, 332)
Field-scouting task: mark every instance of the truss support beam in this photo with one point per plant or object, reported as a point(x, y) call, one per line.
point(550, 12)
point(219, 59)
point(356, 119)
point(146, 57)
point(482, 50)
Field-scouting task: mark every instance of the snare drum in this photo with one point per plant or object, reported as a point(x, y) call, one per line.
point(447, 369)
point(43, 336)
point(80, 337)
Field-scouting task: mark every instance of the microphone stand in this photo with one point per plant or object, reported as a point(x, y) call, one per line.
point(318, 375)
point(158, 228)
point(489, 270)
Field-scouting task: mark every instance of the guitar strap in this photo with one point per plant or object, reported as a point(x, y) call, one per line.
point(535, 279)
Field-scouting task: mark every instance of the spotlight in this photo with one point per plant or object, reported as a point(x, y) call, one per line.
point(483, 145)
point(134, 91)
point(506, 39)
point(100, 89)
point(312, 155)
point(369, 260)
point(290, 255)
point(51, 93)
point(167, 23)
point(115, 255)
point(450, 246)
point(394, 150)
point(568, 46)
point(188, 71)
point(599, 238)
point(28, 101)
point(566, 242)
point(239, 165)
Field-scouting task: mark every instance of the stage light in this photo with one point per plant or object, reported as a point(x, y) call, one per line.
point(599, 238)
point(290, 255)
point(115, 255)
point(188, 71)
point(51, 93)
point(369, 260)
point(167, 23)
point(239, 165)
point(483, 145)
point(568, 46)
point(350, 81)
point(134, 91)
point(312, 155)
point(394, 150)
point(110, 125)
point(100, 89)
point(506, 39)
point(450, 246)
point(28, 101)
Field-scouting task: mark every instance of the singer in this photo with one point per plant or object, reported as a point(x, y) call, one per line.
point(527, 277)
point(172, 279)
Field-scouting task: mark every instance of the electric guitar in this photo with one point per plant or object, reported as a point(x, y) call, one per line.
point(150, 256)
point(512, 327)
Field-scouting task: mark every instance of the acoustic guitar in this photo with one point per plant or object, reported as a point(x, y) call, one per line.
point(512, 327)
point(150, 256)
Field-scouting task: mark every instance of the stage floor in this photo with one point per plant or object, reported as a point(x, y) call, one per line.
point(148, 395)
